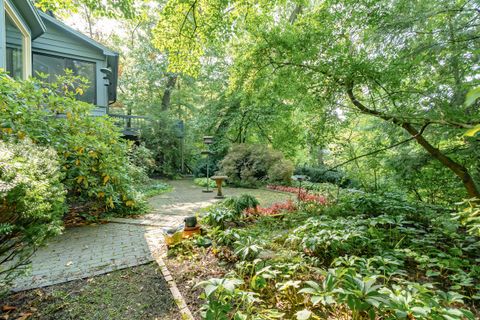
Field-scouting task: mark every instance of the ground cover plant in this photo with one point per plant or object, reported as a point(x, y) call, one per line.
point(367, 256)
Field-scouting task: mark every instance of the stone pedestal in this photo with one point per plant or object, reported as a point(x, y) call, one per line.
point(219, 181)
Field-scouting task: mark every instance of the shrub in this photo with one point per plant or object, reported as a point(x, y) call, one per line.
point(142, 157)
point(162, 138)
point(93, 157)
point(323, 175)
point(31, 202)
point(242, 203)
point(274, 209)
point(219, 215)
point(252, 165)
point(202, 182)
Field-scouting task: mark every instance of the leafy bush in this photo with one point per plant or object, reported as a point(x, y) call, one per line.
point(202, 182)
point(252, 165)
point(219, 215)
point(142, 157)
point(162, 138)
point(93, 157)
point(31, 202)
point(242, 203)
point(323, 175)
point(470, 216)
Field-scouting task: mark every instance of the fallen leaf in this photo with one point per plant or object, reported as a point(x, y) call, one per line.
point(24, 316)
point(7, 308)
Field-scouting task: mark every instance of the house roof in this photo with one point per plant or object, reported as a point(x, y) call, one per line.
point(31, 16)
point(77, 34)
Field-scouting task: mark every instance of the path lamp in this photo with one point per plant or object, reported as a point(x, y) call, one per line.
point(208, 140)
point(300, 179)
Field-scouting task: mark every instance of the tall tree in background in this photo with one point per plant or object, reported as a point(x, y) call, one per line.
point(407, 63)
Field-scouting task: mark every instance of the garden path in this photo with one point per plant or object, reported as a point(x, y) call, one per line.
point(87, 251)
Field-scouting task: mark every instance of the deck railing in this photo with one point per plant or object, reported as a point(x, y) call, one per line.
point(131, 124)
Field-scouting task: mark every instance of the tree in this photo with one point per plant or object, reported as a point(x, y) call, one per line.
point(408, 64)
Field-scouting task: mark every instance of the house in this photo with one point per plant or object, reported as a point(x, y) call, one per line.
point(32, 41)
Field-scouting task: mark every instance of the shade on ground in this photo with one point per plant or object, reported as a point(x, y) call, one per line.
point(86, 251)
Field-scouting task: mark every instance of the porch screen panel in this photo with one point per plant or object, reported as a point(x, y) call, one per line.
point(54, 66)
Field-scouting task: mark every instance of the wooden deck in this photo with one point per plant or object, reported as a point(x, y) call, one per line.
point(131, 124)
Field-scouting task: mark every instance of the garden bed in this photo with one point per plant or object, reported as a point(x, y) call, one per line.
point(366, 256)
point(190, 267)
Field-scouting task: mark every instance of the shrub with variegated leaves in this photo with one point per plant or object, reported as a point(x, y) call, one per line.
point(31, 202)
point(93, 156)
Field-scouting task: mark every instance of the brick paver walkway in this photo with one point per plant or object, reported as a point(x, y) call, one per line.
point(82, 252)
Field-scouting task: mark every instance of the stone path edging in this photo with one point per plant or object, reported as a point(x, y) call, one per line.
point(135, 222)
point(177, 296)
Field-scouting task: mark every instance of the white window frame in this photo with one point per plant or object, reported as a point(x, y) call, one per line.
point(26, 39)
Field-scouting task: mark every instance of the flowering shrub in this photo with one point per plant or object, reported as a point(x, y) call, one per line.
point(31, 202)
point(276, 208)
point(285, 188)
point(303, 194)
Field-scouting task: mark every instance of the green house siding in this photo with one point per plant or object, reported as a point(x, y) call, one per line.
point(50, 37)
point(2, 36)
point(56, 42)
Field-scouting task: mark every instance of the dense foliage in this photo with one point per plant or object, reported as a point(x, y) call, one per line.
point(254, 165)
point(378, 78)
point(31, 203)
point(366, 256)
point(93, 158)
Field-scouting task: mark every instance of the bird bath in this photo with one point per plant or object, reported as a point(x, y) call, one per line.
point(219, 181)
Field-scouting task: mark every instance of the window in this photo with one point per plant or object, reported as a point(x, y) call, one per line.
point(54, 66)
point(18, 53)
point(14, 65)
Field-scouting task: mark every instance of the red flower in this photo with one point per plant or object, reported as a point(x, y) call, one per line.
point(303, 194)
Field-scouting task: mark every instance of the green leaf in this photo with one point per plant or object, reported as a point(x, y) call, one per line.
point(472, 95)
point(303, 314)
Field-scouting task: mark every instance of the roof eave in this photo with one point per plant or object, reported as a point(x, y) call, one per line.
point(106, 51)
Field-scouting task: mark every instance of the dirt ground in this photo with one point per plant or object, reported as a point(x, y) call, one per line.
point(189, 268)
point(133, 293)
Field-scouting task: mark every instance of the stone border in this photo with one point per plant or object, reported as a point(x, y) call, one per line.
point(133, 221)
point(177, 296)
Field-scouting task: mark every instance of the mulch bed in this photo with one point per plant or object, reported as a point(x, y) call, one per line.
point(188, 269)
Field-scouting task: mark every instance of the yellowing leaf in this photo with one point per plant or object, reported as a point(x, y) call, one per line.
point(79, 91)
point(21, 135)
point(130, 203)
point(101, 194)
point(472, 132)
point(110, 202)
point(93, 154)
point(80, 179)
point(69, 115)
point(77, 162)
point(105, 179)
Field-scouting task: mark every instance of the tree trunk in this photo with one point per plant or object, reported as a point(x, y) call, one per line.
point(172, 80)
point(459, 170)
